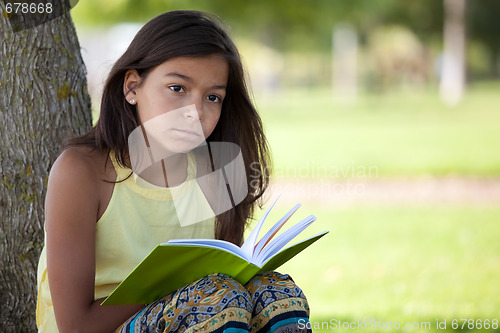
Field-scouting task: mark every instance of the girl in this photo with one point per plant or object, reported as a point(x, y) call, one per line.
point(100, 222)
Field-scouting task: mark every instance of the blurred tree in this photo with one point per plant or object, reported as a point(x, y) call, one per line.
point(301, 24)
point(304, 29)
point(484, 26)
point(452, 83)
point(43, 99)
point(284, 24)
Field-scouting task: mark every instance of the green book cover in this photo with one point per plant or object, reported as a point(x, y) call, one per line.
point(170, 267)
point(179, 262)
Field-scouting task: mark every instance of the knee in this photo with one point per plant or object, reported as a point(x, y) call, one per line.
point(274, 281)
point(213, 298)
point(220, 291)
point(279, 304)
point(273, 286)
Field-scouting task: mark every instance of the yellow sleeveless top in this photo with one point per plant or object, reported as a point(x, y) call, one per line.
point(136, 220)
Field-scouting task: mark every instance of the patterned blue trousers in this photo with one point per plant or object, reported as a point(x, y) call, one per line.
point(269, 302)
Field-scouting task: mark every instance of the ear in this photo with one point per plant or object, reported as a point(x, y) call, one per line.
point(131, 81)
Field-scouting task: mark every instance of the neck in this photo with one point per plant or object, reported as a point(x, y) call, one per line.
point(168, 172)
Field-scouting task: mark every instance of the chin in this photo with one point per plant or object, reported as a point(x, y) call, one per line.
point(184, 147)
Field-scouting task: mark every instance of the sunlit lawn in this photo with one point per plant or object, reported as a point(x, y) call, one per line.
point(398, 263)
point(404, 264)
point(403, 134)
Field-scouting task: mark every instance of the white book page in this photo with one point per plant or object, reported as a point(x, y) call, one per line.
point(213, 243)
point(248, 245)
point(281, 240)
point(264, 240)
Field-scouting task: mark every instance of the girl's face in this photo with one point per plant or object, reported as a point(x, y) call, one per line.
point(180, 101)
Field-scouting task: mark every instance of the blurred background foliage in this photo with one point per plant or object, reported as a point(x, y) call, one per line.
point(305, 27)
point(395, 61)
point(407, 183)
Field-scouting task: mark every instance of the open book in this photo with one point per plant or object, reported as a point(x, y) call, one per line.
point(179, 262)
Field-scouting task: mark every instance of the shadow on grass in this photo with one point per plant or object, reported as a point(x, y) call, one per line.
point(347, 324)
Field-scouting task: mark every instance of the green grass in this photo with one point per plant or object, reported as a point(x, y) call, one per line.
point(404, 264)
point(399, 134)
point(392, 262)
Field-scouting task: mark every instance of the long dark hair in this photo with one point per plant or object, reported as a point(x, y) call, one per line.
point(188, 33)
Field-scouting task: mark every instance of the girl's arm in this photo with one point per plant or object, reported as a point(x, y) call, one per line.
point(71, 210)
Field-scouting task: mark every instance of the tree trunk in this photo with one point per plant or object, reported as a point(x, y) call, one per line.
point(345, 63)
point(452, 85)
point(494, 61)
point(43, 99)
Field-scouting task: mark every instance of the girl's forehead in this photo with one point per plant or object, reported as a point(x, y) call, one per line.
point(194, 60)
point(192, 67)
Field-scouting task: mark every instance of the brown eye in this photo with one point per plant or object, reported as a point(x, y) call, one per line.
point(176, 88)
point(214, 98)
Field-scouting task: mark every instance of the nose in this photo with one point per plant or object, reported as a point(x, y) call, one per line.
point(197, 106)
point(193, 112)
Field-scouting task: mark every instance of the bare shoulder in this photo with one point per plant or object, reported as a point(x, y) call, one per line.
point(76, 191)
point(77, 176)
point(82, 164)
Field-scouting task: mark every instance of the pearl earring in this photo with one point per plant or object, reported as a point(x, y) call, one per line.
point(132, 101)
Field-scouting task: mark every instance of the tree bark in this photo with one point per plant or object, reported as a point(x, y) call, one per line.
point(43, 99)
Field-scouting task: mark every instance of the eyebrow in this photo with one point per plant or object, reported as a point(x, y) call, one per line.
point(187, 78)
